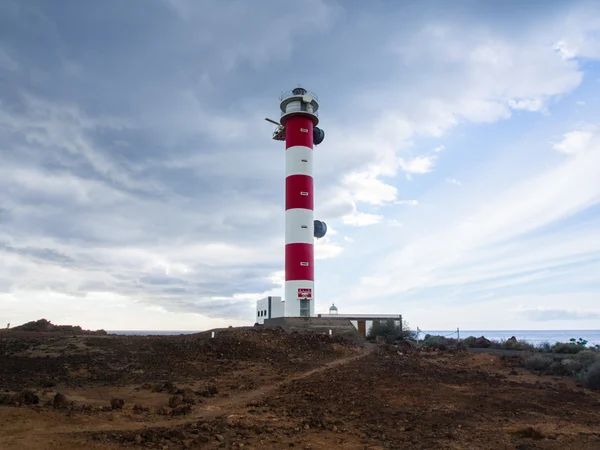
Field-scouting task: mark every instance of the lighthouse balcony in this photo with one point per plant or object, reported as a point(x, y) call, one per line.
point(298, 92)
point(299, 101)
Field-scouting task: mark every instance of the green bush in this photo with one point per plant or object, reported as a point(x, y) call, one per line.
point(587, 357)
point(439, 342)
point(538, 363)
point(518, 345)
point(469, 341)
point(591, 377)
point(545, 347)
point(557, 368)
point(394, 329)
point(571, 365)
point(566, 347)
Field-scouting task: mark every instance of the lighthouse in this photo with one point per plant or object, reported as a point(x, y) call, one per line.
point(298, 128)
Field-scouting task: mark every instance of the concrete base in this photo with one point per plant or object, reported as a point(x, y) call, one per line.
point(339, 327)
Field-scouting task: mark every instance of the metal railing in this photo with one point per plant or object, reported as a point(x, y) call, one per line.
point(288, 94)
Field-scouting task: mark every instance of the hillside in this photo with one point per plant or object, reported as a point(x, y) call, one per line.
point(262, 388)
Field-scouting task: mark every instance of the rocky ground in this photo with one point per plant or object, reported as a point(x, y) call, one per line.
point(259, 388)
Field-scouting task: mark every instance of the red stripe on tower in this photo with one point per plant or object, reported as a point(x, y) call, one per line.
point(295, 255)
point(299, 192)
point(299, 131)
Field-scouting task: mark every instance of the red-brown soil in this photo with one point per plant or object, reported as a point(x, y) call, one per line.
point(258, 388)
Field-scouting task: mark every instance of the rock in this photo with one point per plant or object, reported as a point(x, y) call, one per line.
point(138, 409)
point(175, 401)
point(117, 403)
point(138, 439)
point(512, 340)
point(60, 401)
point(481, 342)
point(181, 410)
point(25, 397)
point(162, 411)
point(219, 438)
point(213, 390)
point(189, 399)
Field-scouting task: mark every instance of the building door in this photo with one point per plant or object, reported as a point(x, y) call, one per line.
point(304, 307)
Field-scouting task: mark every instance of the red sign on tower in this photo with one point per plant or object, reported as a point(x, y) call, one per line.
point(304, 293)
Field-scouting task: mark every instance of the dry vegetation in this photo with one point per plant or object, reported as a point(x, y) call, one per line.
point(259, 388)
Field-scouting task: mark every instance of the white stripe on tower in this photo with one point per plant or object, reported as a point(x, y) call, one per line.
point(299, 215)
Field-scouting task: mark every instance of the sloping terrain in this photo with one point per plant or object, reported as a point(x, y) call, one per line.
point(260, 388)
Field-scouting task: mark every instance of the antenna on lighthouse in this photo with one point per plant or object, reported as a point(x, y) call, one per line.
point(279, 133)
point(274, 122)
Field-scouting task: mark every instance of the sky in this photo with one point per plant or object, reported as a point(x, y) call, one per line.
point(459, 177)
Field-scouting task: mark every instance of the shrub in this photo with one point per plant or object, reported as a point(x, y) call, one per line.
point(566, 347)
point(385, 328)
point(571, 365)
point(469, 341)
point(496, 344)
point(557, 368)
point(517, 345)
point(591, 377)
point(544, 346)
point(587, 357)
point(439, 342)
point(538, 362)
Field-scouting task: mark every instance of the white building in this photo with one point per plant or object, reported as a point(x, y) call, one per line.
point(269, 308)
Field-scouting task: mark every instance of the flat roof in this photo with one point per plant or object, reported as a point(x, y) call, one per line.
point(361, 316)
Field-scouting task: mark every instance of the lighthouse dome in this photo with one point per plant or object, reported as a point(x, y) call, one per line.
point(333, 309)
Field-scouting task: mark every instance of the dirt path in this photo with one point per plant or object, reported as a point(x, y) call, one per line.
point(25, 434)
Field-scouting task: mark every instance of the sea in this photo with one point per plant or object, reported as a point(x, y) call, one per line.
point(531, 336)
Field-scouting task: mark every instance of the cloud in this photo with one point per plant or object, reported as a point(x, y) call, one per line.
point(541, 314)
point(327, 250)
point(490, 243)
point(7, 62)
point(360, 219)
point(364, 187)
point(420, 164)
point(453, 181)
point(138, 173)
point(580, 37)
point(406, 202)
point(575, 142)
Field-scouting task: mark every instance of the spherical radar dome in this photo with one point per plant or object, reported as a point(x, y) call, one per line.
point(320, 229)
point(318, 135)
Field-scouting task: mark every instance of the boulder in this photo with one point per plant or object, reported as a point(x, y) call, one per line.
point(482, 342)
point(60, 401)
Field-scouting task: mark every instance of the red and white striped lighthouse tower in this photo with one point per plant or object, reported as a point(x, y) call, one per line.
point(298, 126)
